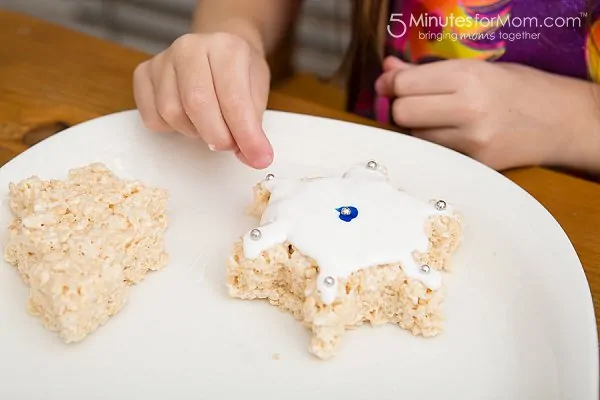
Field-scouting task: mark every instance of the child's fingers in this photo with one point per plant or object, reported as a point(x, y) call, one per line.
point(394, 63)
point(428, 111)
point(240, 156)
point(169, 104)
point(259, 85)
point(434, 78)
point(195, 82)
point(231, 77)
point(143, 92)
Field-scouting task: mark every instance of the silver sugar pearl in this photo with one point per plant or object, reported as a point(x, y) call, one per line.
point(440, 205)
point(329, 281)
point(425, 269)
point(269, 177)
point(372, 165)
point(346, 211)
point(255, 234)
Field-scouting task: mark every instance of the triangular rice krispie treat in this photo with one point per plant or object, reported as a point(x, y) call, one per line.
point(337, 252)
point(80, 243)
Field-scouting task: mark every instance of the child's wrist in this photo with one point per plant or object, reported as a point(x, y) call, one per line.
point(241, 28)
point(579, 144)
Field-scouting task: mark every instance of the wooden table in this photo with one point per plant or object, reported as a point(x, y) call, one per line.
point(51, 78)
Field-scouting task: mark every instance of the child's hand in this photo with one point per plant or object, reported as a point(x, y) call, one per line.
point(503, 115)
point(214, 87)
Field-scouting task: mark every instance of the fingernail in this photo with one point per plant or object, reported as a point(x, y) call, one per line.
point(212, 147)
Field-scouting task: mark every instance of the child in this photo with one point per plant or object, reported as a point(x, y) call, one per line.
point(424, 65)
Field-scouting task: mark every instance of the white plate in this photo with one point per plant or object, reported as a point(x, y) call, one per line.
point(520, 321)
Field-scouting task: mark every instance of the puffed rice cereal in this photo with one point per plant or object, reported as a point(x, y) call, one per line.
point(80, 244)
point(381, 294)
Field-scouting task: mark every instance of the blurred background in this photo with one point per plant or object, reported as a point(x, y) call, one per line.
point(320, 37)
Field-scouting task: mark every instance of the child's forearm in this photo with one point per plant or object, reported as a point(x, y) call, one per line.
point(263, 23)
point(581, 121)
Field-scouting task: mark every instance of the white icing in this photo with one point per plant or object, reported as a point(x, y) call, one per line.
point(389, 227)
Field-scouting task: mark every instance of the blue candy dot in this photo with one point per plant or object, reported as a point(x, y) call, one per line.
point(347, 213)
